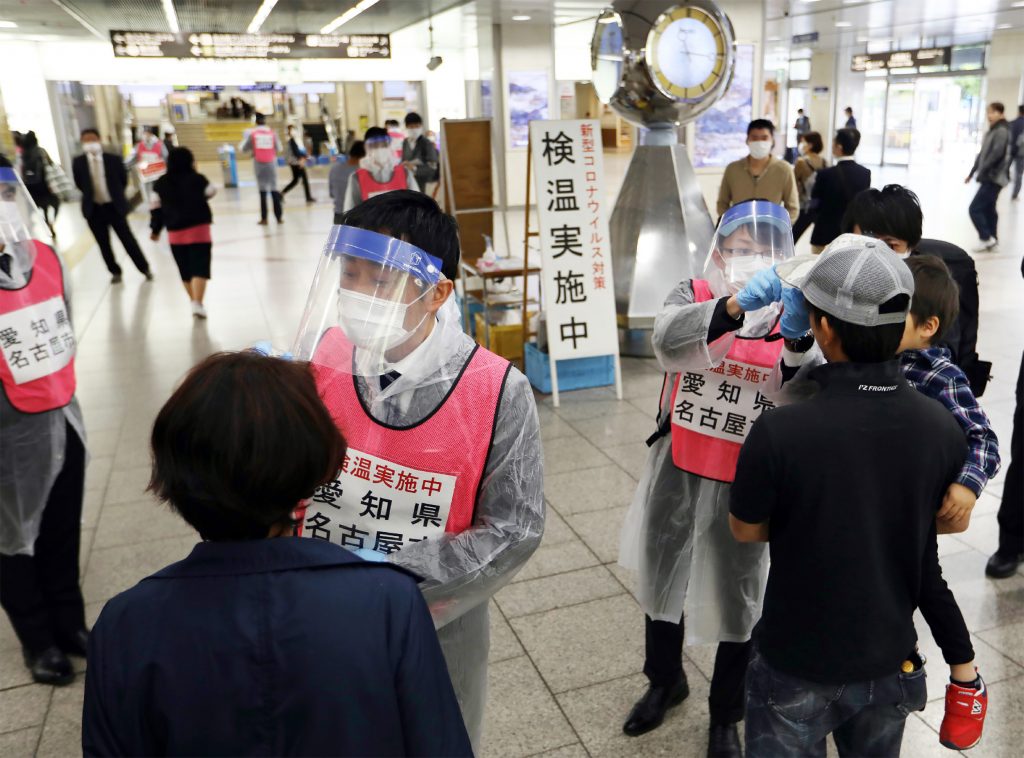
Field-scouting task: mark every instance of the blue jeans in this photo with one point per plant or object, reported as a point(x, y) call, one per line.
point(789, 716)
point(983, 210)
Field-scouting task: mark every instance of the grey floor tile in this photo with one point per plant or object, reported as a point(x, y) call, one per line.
point(97, 472)
point(627, 578)
point(522, 718)
point(575, 750)
point(504, 644)
point(600, 531)
point(982, 534)
point(142, 521)
point(919, 739)
point(19, 744)
point(115, 569)
point(617, 429)
point(565, 643)
point(574, 412)
point(92, 504)
point(642, 384)
point(598, 712)
point(13, 672)
point(128, 485)
point(984, 602)
point(1007, 639)
point(590, 490)
point(949, 544)
point(555, 528)
point(557, 558)
point(554, 427)
point(85, 549)
point(630, 457)
point(572, 453)
point(557, 591)
point(987, 504)
point(23, 707)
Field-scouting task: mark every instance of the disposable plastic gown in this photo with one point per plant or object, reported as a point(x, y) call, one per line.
point(676, 533)
point(462, 571)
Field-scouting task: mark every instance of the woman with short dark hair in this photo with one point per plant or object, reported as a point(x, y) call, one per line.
point(807, 165)
point(259, 643)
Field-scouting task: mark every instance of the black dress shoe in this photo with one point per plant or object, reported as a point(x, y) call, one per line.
point(77, 644)
point(115, 279)
point(650, 710)
point(1000, 566)
point(724, 741)
point(50, 667)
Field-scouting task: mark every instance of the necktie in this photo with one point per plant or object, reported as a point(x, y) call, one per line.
point(387, 379)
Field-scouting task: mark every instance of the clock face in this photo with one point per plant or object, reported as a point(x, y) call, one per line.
point(606, 54)
point(686, 52)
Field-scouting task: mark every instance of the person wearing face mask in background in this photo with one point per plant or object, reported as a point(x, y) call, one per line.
point(264, 144)
point(42, 445)
point(297, 163)
point(419, 153)
point(835, 187)
point(396, 137)
point(806, 169)
point(102, 178)
point(726, 353)
point(444, 472)
point(379, 171)
point(150, 158)
point(760, 175)
point(893, 215)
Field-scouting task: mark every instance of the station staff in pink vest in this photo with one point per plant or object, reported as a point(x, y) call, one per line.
point(150, 158)
point(42, 445)
point(717, 337)
point(379, 172)
point(444, 471)
point(265, 145)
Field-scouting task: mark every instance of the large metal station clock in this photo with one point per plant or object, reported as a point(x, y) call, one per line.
point(687, 52)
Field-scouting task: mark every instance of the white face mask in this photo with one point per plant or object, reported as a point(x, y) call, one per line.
point(413, 133)
point(802, 148)
point(93, 148)
point(739, 270)
point(760, 149)
point(372, 324)
point(379, 162)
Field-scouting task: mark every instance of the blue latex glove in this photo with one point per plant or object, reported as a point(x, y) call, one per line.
point(370, 555)
point(795, 322)
point(761, 291)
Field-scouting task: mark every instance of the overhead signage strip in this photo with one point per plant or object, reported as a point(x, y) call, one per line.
point(222, 46)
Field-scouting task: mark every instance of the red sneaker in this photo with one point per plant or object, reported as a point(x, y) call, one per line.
point(965, 716)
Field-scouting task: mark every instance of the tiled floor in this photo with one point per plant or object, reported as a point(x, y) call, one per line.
point(567, 637)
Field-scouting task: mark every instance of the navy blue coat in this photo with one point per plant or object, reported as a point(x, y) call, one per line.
point(280, 646)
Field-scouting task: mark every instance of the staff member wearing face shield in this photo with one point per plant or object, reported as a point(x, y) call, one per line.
point(759, 175)
point(444, 473)
point(379, 171)
point(717, 337)
point(42, 445)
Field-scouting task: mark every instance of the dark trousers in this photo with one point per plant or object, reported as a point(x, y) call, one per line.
point(276, 196)
point(1011, 509)
point(298, 173)
point(803, 223)
point(983, 211)
point(104, 218)
point(40, 592)
point(663, 666)
point(787, 715)
point(1018, 175)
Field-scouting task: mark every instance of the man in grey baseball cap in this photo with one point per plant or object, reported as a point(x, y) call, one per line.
point(844, 488)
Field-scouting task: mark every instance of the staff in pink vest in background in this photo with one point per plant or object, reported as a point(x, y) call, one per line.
point(150, 158)
point(265, 146)
point(444, 471)
point(42, 445)
point(718, 338)
point(379, 172)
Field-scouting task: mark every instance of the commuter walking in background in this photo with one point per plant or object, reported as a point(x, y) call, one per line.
point(297, 156)
point(101, 177)
point(835, 187)
point(35, 163)
point(802, 125)
point(992, 170)
point(419, 153)
point(851, 122)
point(805, 171)
point(1017, 151)
point(760, 175)
point(341, 172)
point(180, 203)
point(264, 145)
point(220, 653)
point(170, 140)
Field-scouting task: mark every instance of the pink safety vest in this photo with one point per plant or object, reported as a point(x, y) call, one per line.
point(370, 187)
point(37, 367)
point(264, 144)
point(151, 161)
point(713, 409)
point(398, 485)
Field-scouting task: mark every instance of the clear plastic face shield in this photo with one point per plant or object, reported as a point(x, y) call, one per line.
point(751, 236)
point(20, 225)
point(377, 293)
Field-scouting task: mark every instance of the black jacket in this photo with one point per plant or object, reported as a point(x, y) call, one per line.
point(286, 646)
point(183, 202)
point(425, 152)
point(962, 336)
point(117, 182)
point(833, 190)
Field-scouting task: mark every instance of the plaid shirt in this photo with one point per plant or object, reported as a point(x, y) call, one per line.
point(932, 373)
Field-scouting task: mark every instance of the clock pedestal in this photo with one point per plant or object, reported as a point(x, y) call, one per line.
point(660, 234)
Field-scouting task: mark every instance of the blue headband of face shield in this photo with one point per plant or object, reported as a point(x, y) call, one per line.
point(385, 139)
point(8, 175)
point(757, 211)
point(384, 250)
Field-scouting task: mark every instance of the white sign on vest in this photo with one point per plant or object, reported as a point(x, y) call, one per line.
point(37, 340)
point(579, 295)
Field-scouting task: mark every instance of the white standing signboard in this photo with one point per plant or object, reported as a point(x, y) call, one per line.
point(579, 295)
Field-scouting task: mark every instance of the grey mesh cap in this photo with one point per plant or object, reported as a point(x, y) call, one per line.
point(853, 276)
